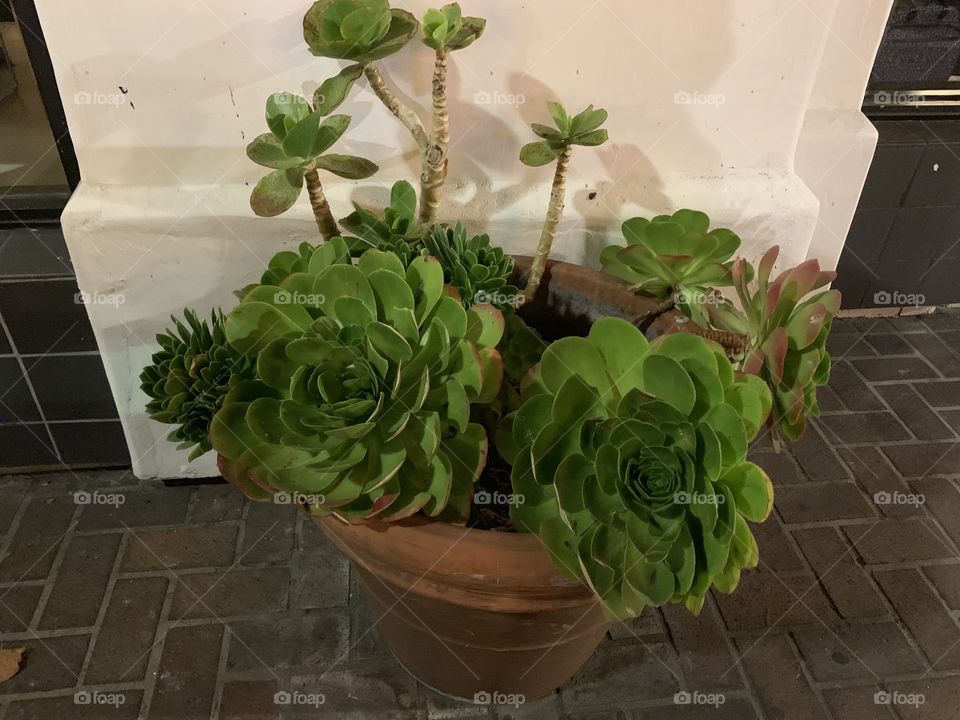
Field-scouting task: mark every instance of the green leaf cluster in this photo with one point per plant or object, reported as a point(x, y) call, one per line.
point(581, 129)
point(366, 374)
point(447, 29)
point(676, 256)
point(397, 228)
point(631, 460)
point(358, 30)
point(788, 329)
point(298, 138)
point(189, 377)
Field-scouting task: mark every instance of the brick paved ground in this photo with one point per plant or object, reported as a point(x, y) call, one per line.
point(189, 603)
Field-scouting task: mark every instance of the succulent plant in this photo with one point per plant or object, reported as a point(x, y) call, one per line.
point(477, 269)
point(294, 149)
point(582, 129)
point(631, 459)
point(382, 231)
point(787, 329)
point(676, 257)
point(446, 29)
point(366, 376)
point(189, 377)
point(358, 30)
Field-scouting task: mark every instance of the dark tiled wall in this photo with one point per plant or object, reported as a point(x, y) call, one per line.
point(905, 238)
point(55, 404)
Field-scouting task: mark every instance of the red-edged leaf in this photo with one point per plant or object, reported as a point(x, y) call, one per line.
point(753, 362)
point(775, 350)
point(766, 266)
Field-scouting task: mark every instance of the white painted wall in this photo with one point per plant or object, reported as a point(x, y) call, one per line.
point(707, 102)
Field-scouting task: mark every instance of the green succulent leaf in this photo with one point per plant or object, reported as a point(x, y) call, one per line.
point(358, 30)
point(333, 91)
point(277, 192)
point(284, 110)
point(347, 166)
point(537, 154)
point(267, 150)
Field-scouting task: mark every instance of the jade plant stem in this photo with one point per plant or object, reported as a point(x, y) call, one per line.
point(554, 215)
point(321, 208)
point(435, 158)
point(404, 114)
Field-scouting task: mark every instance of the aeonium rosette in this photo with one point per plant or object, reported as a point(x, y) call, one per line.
point(631, 459)
point(366, 374)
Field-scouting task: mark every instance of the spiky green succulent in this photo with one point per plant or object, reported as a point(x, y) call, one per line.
point(358, 30)
point(477, 269)
point(298, 138)
point(447, 29)
point(787, 329)
point(631, 460)
point(189, 377)
point(675, 256)
point(366, 376)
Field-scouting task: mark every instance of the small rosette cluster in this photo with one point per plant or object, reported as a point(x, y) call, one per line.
point(358, 30)
point(366, 375)
point(630, 459)
point(675, 256)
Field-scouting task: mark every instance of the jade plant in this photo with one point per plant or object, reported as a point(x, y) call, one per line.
point(189, 377)
point(557, 146)
point(631, 457)
point(294, 148)
point(389, 370)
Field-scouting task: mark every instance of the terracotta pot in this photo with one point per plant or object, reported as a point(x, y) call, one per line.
point(473, 613)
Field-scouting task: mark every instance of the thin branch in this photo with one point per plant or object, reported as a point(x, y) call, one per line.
point(404, 114)
point(549, 234)
point(435, 158)
point(321, 208)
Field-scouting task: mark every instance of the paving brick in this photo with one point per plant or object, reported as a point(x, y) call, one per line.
point(14, 491)
point(940, 698)
point(888, 491)
point(777, 553)
point(781, 467)
point(924, 615)
point(763, 601)
point(189, 546)
point(778, 681)
point(940, 394)
point(649, 626)
point(851, 389)
point(925, 459)
point(856, 702)
point(158, 506)
point(849, 345)
point(16, 607)
point(816, 458)
point(914, 413)
point(855, 652)
point(320, 572)
point(901, 368)
point(249, 700)
point(358, 691)
point(892, 541)
point(269, 534)
point(946, 580)
point(80, 584)
point(940, 355)
point(109, 705)
point(30, 553)
point(822, 502)
point(828, 400)
point(702, 649)
point(889, 344)
point(941, 498)
point(129, 628)
point(863, 428)
point(441, 707)
point(186, 679)
point(230, 593)
point(51, 664)
point(216, 503)
point(366, 641)
point(288, 642)
point(945, 319)
point(610, 676)
point(843, 578)
point(731, 709)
